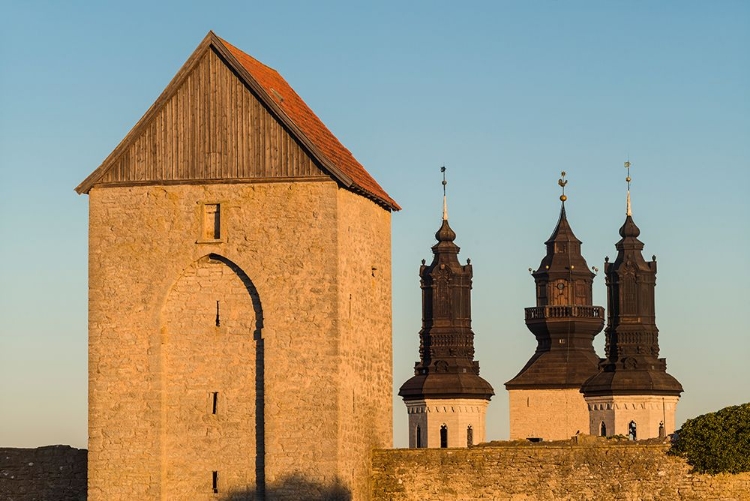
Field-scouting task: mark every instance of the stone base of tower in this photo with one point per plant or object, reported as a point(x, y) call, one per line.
point(550, 414)
point(613, 415)
point(456, 422)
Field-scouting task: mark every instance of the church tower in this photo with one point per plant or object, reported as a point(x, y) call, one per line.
point(446, 399)
point(545, 398)
point(632, 394)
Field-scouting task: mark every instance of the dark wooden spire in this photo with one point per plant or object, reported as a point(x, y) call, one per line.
point(632, 364)
point(564, 320)
point(446, 367)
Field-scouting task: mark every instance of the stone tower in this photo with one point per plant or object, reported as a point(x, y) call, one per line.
point(239, 297)
point(446, 400)
point(545, 398)
point(632, 394)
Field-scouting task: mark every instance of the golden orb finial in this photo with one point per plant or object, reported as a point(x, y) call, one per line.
point(562, 182)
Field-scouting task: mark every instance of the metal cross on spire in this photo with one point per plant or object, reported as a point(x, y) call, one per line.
point(629, 212)
point(445, 200)
point(562, 182)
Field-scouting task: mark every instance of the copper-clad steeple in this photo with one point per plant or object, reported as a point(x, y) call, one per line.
point(632, 365)
point(446, 367)
point(564, 319)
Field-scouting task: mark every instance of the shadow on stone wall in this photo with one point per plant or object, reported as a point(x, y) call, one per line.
point(295, 488)
point(260, 371)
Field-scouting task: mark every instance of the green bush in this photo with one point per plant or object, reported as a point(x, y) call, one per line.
point(718, 442)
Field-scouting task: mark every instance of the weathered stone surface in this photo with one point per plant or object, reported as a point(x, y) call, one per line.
point(52, 473)
point(301, 359)
point(551, 414)
point(513, 471)
point(647, 412)
point(457, 415)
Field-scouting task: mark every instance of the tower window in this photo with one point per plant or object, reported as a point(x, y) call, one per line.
point(603, 430)
point(632, 431)
point(469, 436)
point(212, 221)
point(419, 437)
point(214, 402)
point(215, 481)
point(443, 437)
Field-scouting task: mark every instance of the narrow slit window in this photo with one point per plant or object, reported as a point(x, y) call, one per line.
point(214, 402)
point(419, 437)
point(218, 318)
point(215, 481)
point(212, 222)
point(469, 436)
point(443, 437)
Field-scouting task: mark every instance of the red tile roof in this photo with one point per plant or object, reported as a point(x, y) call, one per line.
point(312, 127)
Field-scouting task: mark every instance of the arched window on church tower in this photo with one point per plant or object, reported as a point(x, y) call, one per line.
point(419, 437)
point(469, 436)
point(443, 437)
point(603, 430)
point(631, 431)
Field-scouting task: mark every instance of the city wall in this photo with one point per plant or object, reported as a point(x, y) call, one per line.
point(52, 473)
point(497, 471)
point(512, 471)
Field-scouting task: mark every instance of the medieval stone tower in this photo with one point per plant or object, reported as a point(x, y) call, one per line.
point(545, 398)
point(632, 394)
point(446, 400)
point(239, 297)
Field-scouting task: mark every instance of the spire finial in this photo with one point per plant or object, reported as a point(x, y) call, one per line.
point(629, 212)
point(562, 182)
point(445, 200)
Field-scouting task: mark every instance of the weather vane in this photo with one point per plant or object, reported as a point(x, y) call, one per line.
point(445, 201)
point(629, 212)
point(562, 182)
point(627, 166)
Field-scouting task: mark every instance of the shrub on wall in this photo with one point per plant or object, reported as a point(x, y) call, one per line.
point(716, 442)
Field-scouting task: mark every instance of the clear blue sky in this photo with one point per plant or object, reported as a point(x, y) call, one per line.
point(505, 94)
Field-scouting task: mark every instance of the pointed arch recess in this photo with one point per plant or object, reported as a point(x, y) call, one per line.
point(200, 356)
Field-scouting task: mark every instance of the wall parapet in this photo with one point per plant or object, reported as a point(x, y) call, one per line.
point(590, 470)
point(51, 473)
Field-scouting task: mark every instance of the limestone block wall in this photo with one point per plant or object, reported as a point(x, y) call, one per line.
point(628, 472)
point(208, 359)
point(427, 417)
point(292, 397)
point(647, 411)
point(552, 414)
point(365, 372)
point(52, 473)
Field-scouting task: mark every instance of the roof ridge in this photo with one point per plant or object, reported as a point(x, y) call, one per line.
point(285, 104)
point(237, 49)
point(339, 157)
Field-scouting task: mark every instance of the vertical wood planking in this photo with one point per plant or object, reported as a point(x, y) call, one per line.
point(213, 127)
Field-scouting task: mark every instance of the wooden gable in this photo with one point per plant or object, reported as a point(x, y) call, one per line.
point(226, 117)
